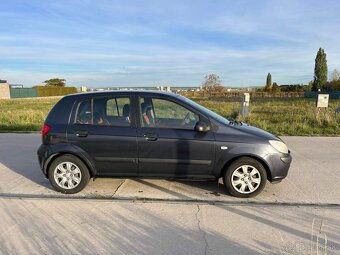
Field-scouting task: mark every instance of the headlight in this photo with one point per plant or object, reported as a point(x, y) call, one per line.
point(278, 145)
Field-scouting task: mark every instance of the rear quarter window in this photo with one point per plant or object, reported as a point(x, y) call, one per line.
point(60, 113)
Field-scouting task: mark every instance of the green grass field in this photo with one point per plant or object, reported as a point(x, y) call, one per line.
point(278, 116)
point(27, 114)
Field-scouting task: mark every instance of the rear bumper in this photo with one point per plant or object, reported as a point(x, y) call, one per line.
point(43, 155)
point(279, 164)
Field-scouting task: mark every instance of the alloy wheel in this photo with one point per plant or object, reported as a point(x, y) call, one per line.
point(67, 175)
point(246, 179)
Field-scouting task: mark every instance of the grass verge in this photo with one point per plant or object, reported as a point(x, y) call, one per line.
point(278, 116)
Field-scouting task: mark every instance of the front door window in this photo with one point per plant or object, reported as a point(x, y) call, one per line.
point(161, 113)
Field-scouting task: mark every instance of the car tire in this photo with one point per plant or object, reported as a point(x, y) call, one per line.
point(245, 177)
point(68, 174)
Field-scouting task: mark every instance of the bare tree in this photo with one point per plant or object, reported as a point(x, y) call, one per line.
point(335, 75)
point(212, 83)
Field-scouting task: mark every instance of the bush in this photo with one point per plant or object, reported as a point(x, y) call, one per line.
point(47, 91)
point(294, 88)
point(332, 86)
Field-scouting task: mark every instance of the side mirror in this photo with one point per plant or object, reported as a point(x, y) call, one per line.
point(201, 126)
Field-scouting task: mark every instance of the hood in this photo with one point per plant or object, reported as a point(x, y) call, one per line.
point(254, 131)
point(243, 127)
point(241, 131)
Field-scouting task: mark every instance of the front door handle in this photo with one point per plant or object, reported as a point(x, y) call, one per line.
point(151, 137)
point(81, 133)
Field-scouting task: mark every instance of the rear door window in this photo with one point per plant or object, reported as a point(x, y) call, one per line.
point(104, 111)
point(118, 107)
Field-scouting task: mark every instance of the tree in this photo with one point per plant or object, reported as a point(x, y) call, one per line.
point(212, 83)
point(335, 75)
point(309, 87)
point(269, 85)
point(295, 87)
point(55, 82)
point(332, 86)
point(275, 87)
point(320, 70)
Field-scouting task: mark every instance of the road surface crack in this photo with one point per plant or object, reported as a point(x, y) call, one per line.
point(203, 232)
point(120, 185)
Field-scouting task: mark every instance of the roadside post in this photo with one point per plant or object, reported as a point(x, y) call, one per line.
point(337, 111)
point(245, 105)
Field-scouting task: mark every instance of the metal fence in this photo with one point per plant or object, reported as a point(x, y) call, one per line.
point(256, 94)
point(23, 92)
point(332, 94)
point(239, 94)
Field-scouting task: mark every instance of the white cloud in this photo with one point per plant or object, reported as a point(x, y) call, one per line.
point(177, 42)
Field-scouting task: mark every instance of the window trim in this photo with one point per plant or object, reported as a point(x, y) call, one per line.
point(116, 106)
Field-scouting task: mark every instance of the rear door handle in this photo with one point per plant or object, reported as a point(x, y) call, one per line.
point(151, 137)
point(81, 133)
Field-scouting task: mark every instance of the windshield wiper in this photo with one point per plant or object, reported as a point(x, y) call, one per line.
point(235, 122)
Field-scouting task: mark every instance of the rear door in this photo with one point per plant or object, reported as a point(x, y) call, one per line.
point(168, 145)
point(102, 127)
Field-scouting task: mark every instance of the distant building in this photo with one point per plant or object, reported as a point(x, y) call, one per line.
point(4, 90)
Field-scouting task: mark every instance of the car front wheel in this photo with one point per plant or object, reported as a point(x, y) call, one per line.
point(68, 174)
point(245, 177)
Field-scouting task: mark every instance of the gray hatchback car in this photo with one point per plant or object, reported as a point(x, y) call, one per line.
point(154, 134)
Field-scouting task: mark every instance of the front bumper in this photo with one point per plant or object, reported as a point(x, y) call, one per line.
point(279, 164)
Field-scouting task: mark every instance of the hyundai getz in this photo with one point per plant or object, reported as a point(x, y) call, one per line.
point(153, 134)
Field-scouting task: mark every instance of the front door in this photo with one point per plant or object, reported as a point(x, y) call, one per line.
point(168, 145)
point(102, 128)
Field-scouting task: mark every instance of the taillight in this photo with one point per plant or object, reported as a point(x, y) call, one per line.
point(46, 128)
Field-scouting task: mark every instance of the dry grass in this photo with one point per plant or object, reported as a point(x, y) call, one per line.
point(281, 116)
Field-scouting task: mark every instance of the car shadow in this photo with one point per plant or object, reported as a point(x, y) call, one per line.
point(213, 188)
point(18, 153)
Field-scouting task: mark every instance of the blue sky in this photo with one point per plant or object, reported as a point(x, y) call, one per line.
point(151, 43)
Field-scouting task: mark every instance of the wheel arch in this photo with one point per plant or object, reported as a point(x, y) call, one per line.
point(259, 159)
point(56, 155)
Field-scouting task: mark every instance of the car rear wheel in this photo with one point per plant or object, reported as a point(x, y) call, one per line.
point(245, 177)
point(68, 174)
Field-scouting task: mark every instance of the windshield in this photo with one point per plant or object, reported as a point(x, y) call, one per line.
point(208, 112)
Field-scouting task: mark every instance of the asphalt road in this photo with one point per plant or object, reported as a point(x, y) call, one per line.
point(301, 215)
